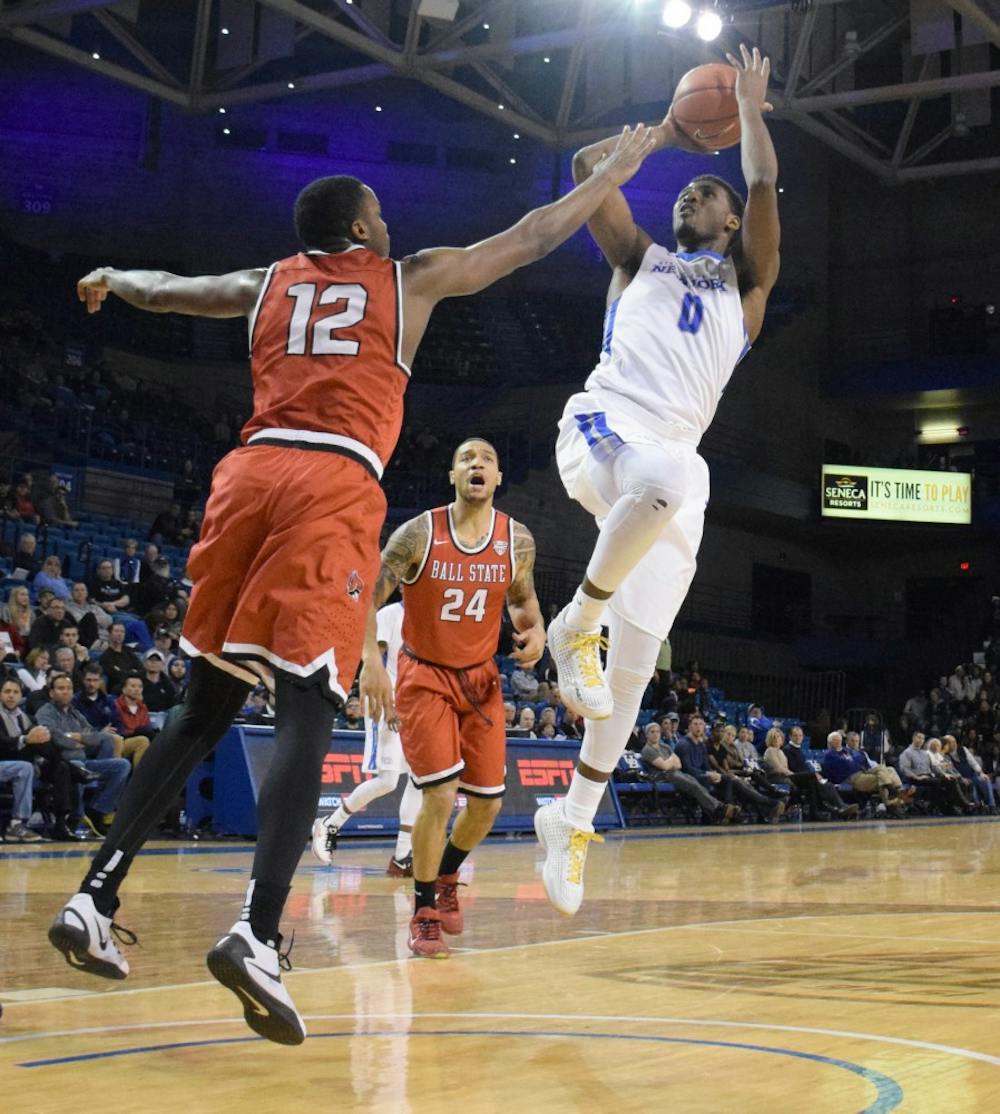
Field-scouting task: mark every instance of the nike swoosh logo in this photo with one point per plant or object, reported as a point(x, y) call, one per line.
point(266, 974)
point(258, 1009)
point(72, 957)
point(103, 940)
point(443, 541)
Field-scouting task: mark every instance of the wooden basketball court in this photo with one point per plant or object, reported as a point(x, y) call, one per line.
point(827, 969)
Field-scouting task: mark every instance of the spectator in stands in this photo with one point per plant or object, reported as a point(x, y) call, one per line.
point(985, 717)
point(826, 791)
point(660, 763)
point(572, 726)
point(22, 737)
point(92, 621)
point(23, 506)
point(64, 661)
point(130, 714)
point(945, 771)
point(915, 710)
point(190, 527)
point(70, 636)
point(759, 724)
point(874, 739)
point(126, 568)
point(186, 486)
point(734, 784)
point(870, 776)
point(177, 671)
point(24, 561)
point(46, 628)
point(936, 711)
point(692, 751)
point(509, 713)
point(258, 712)
point(745, 746)
point(524, 684)
point(17, 771)
point(99, 710)
point(33, 675)
point(54, 509)
point(351, 718)
point(704, 700)
point(965, 762)
point(166, 528)
point(50, 576)
point(74, 736)
point(525, 723)
point(151, 554)
point(157, 689)
point(108, 592)
point(16, 618)
point(547, 717)
point(158, 589)
point(118, 661)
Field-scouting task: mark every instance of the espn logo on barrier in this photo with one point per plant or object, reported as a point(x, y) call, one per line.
point(340, 769)
point(544, 772)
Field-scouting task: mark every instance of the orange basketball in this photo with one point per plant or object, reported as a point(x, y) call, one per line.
point(705, 106)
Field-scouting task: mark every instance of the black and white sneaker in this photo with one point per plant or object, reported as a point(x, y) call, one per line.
point(252, 971)
point(324, 839)
point(84, 937)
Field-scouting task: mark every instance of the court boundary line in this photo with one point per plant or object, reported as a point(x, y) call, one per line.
point(764, 1026)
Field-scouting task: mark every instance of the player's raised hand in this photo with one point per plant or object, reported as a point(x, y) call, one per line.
point(375, 692)
point(92, 289)
point(633, 145)
point(530, 645)
point(673, 136)
point(752, 73)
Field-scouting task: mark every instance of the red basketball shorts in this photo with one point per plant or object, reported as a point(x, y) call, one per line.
point(286, 564)
point(444, 736)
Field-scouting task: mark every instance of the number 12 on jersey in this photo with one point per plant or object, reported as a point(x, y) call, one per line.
point(455, 607)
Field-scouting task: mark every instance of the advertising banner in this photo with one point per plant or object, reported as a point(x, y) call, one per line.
point(896, 494)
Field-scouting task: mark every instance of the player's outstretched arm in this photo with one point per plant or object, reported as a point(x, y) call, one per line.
point(612, 225)
point(761, 238)
point(231, 295)
point(440, 273)
point(522, 603)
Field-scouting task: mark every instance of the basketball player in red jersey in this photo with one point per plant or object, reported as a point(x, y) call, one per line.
point(457, 567)
point(288, 554)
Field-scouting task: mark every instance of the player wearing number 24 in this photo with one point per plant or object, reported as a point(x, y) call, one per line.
point(288, 556)
point(457, 567)
point(677, 324)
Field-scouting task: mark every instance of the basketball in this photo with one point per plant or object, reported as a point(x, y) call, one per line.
point(705, 106)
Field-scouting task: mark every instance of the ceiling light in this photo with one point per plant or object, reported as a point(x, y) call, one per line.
point(546, 59)
point(486, 26)
point(225, 131)
point(500, 106)
point(222, 111)
point(223, 30)
point(96, 56)
point(676, 13)
point(378, 108)
point(513, 161)
point(517, 135)
point(709, 26)
point(291, 85)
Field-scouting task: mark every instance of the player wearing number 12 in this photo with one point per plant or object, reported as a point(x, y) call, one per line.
point(457, 566)
point(284, 568)
point(677, 325)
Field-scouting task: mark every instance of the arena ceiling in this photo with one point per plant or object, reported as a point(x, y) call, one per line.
point(905, 88)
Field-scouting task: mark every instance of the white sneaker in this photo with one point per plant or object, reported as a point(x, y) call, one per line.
point(324, 839)
point(84, 937)
point(251, 969)
point(565, 856)
point(582, 685)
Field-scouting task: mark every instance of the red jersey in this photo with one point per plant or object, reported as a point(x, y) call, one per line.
point(326, 357)
point(453, 606)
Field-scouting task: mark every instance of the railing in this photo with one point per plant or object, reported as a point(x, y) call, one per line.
point(801, 695)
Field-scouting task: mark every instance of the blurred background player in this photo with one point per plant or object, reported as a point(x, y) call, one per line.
point(457, 565)
point(383, 758)
point(289, 545)
point(677, 325)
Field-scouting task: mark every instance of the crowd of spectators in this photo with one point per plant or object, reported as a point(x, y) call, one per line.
point(90, 670)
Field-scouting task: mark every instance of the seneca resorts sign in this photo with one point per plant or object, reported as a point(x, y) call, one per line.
point(896, 494)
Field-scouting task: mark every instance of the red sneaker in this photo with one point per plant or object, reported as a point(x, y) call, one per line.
point(400, 868)
point(448, 908)
point(425, 935)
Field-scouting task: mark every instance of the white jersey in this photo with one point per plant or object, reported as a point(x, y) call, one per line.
point(673, 339)
point(389, 629)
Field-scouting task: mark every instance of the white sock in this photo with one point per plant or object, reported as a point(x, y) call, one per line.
point(582, 801)
point(584, 612)
point(404, 845)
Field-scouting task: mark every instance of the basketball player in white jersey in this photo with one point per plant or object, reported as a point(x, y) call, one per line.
point(384, 758)
point(677, 325)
